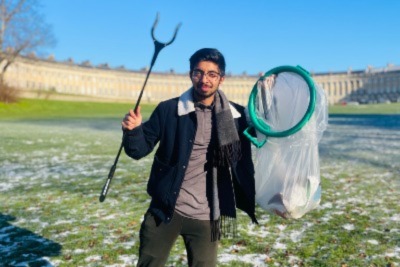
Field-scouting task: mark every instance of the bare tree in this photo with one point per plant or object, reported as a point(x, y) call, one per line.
point(22, 31)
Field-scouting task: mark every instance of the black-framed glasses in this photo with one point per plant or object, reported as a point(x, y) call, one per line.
point(211, 75)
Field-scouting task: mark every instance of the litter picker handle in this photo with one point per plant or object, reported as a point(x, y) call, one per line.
point(106, 186)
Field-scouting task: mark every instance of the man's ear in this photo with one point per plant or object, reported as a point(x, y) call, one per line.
point(222, 80)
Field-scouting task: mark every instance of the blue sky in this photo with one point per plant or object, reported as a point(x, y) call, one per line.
point(254, 36)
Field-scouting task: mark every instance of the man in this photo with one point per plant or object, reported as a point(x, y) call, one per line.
point(202, 168)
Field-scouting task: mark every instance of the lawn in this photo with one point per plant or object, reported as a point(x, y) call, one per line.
point(55, 157)
point(392, 108)
point(49, 109)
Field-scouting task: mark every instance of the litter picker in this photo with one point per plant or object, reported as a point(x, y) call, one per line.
point(158, 46)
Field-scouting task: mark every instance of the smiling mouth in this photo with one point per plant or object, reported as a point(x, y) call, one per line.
point(204, 86)
point(202, 91)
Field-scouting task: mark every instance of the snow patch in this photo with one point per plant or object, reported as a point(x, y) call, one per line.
point(281, 227)
point(93, 258)
point(395, 218)
point(279, 245)
point(255, 259)
point(373, 242)
point(295, 236)
point(349, 226)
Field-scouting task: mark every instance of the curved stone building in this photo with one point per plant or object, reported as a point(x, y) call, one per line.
point(31, 74)
point(372, 85)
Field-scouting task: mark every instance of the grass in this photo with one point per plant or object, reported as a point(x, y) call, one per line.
point(51, 109)
point(392, 108)
point(54, 163)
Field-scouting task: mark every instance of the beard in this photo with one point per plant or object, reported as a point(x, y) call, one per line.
point(201, 94)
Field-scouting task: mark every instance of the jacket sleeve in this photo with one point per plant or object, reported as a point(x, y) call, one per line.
point(140, 141)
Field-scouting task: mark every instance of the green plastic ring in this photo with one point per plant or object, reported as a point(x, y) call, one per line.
point(265, 128)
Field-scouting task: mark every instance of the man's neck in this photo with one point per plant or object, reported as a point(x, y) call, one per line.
point(207, 101)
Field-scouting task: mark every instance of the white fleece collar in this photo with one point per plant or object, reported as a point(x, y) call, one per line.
point(186, 105)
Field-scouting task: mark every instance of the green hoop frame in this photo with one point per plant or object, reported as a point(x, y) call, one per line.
point(265, 128)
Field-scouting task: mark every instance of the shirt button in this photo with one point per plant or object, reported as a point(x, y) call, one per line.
point(184, 166)
point(190, 140)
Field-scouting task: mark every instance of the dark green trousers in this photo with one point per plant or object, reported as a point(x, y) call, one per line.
point(157, 239)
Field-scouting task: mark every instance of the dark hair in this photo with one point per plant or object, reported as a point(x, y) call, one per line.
point(208, 54)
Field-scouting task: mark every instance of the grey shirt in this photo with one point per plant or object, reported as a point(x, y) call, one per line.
point(192, 201)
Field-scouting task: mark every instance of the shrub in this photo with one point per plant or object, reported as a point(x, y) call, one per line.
point(8, 94)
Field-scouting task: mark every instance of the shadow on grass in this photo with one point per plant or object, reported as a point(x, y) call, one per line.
point(387, 122)
point(21, 247)
point(363, 138)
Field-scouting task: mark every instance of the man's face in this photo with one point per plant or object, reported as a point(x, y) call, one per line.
point(206, 78)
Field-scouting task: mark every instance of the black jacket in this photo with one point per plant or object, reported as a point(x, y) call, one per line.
point(174, 128)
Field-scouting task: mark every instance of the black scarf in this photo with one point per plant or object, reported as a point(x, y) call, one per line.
point(226, 151)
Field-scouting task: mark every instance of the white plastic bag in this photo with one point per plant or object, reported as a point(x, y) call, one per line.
point(287, 169)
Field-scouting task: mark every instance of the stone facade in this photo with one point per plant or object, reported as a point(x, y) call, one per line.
point(371, 85)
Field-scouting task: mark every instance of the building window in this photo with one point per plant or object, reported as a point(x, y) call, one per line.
point(334, 89)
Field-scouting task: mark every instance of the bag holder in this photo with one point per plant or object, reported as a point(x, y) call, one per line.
point(264, 128)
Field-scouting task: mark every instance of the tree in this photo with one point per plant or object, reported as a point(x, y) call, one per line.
point(23, 30)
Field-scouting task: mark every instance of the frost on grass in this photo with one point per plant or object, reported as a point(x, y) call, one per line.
point(51, 176)
point(348, 227)
point(395, 218)
point(255, 259)
point(373, 242)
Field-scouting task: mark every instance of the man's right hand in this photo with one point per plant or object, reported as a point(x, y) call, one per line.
point(132, 120)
